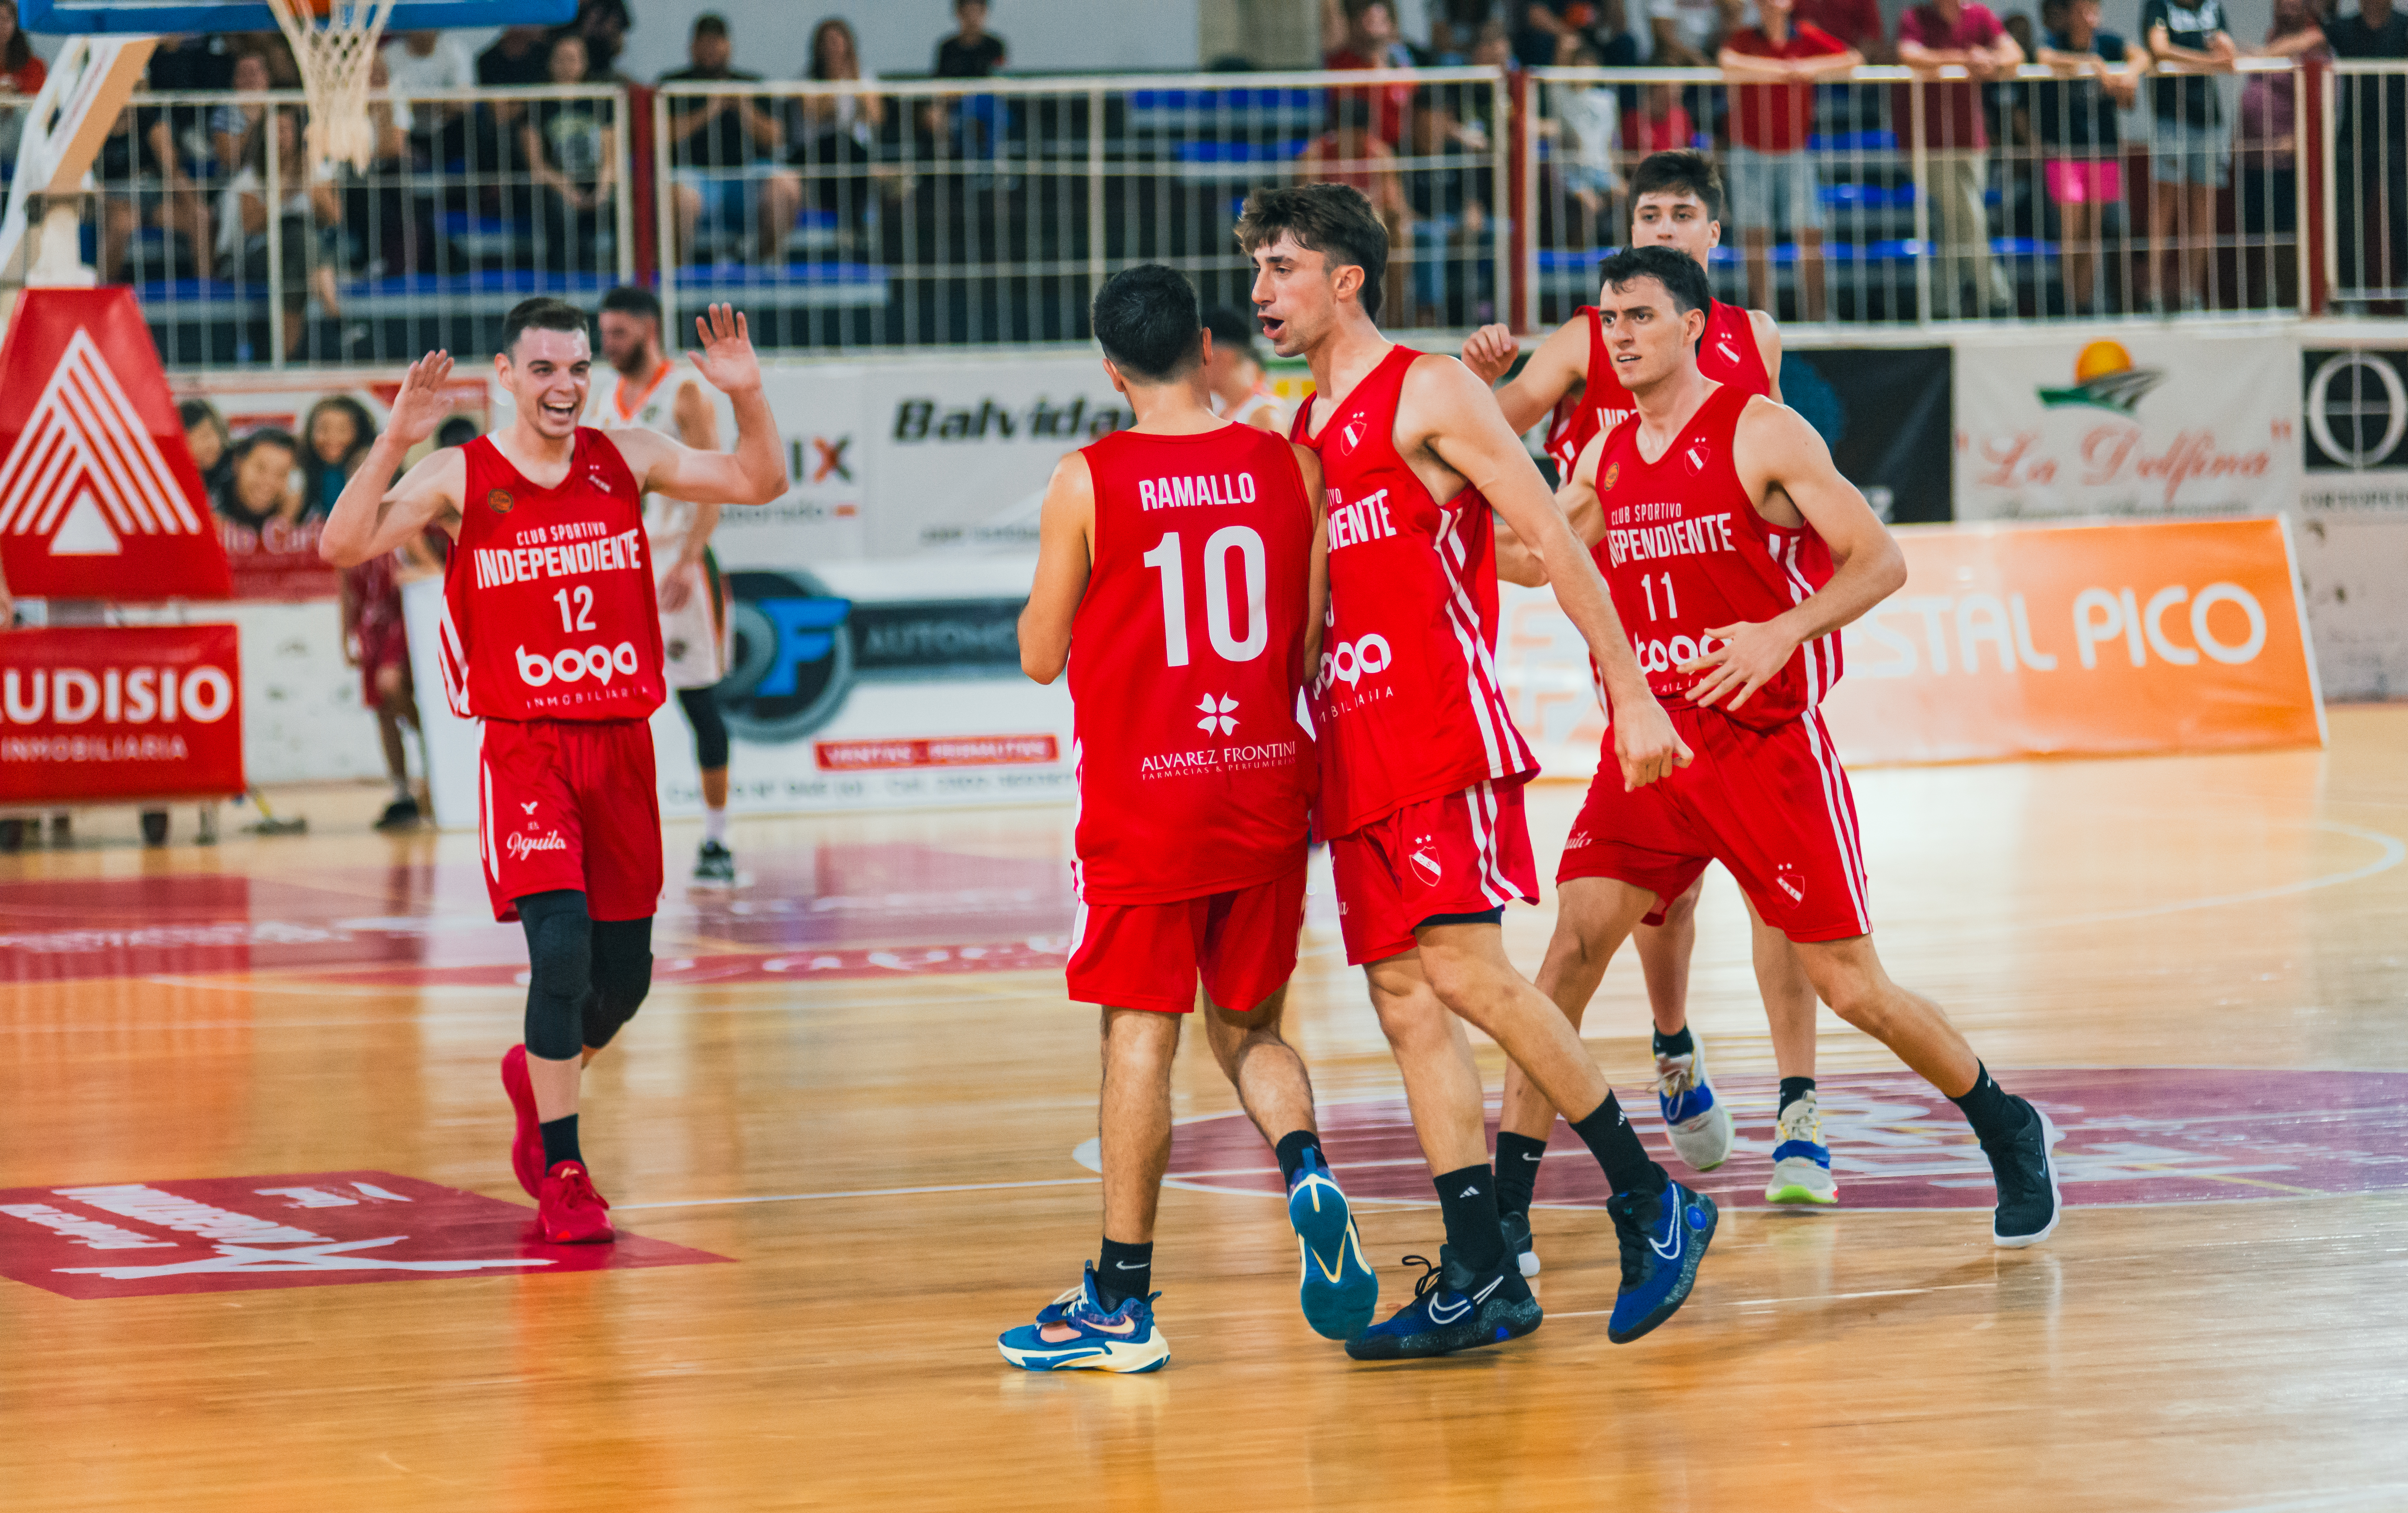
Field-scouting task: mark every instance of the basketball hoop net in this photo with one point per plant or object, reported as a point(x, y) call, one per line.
point(334, 42)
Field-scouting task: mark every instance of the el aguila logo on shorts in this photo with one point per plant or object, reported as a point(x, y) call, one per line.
point(525, 842)
point(1424, 862)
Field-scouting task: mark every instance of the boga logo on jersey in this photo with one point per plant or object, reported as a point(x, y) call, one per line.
point(1351, 662)
point(571, 664)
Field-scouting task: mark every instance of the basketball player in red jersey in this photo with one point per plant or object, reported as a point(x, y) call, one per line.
point(1175, 572)
point(553, 641)
point(1676, 202)
point(1421, 770)
point(692, 595)
point(1700, 501)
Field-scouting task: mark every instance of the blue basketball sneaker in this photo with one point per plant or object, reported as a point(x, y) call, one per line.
point(1074, 1332)
point(1454, 1308)
point(1699, 1125)
point(1338, 1291)
point(1664, 1235)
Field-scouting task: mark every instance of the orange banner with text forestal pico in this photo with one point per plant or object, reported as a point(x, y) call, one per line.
point(2176, 636)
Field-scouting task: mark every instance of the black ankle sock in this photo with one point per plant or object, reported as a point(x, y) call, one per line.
point(1616, 1144)
point(1793, 1089)
point(1986, 1106)
point(560, 1142)
point(1467, 1199)
point(1124, 1271)
point(1517, 1171)
point(1290, 1153)
point(1676, 1044)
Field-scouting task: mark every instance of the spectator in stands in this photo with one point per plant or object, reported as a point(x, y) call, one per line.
point(723, 148)
point(2190, 156)
point(416, 61)
point(603, 25)
point(1351, 154)
point(836, 136)
point(211, 445)
point(1235, 383)
point(1588, 120)
point(2266, 148)
point(1554, 32)
point(21, 78)
point(520, 56)
point(1447, 195)
point(1932, 36)
point(1855, 22)
point(972, 51)
point(146, 165)
point(571, 149)
point(232, 124)
point(306, 224)
point(260, 486)
point(1660, 124)
point(2371, 152)
point(1773, 184)
point(337, 432)
point(1687, 33)
point(1362, 34)
point(2080, 146)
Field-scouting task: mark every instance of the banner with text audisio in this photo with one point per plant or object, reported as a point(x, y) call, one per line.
point(2147, 424)
point(120, 712)
point(2093, 640)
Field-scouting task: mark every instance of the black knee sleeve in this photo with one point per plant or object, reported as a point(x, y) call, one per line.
point(623, 975)
point(559, 971)
point(701, 706)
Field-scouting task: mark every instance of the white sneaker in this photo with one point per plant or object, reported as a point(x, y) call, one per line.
point(1801, 1162)
point(1699, 1125)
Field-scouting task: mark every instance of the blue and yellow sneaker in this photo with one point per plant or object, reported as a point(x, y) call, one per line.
point(1801, 1162)
point(1074, 1332)
point(1699, 1125)
point(1338, 1291)
point(1454, 1308)
point(1664, 1235)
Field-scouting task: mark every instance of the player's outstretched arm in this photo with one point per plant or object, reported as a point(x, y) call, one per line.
point(1065, 534)
point(756, 472)
point(370, 519)
point(1316, 592)
point(1555, 369)
point(1777, 450)
point(1473, 440)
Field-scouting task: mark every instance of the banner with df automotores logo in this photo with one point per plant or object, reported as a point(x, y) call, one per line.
point(2015, 641)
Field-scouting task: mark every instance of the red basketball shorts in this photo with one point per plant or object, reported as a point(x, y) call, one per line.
point(1241, 943)
point(1464, 853)
point(570, 804)
point(1773, 806)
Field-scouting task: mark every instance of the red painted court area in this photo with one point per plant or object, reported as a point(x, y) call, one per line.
point(2140, 1134)
point(309, 1229)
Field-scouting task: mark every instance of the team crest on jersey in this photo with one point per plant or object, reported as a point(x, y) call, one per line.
point(1350, 436)
point(1730, 353)
point(1694, 455)
point(500, 500)
point(1612, 471)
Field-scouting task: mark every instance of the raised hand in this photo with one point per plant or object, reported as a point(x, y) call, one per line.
point(1490, 350)
point(727, 358)
point(422, 404)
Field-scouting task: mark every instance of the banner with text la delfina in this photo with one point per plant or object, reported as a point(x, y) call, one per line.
point(2144, 423)
point(99, 495)
point(2106, 639)
point(120, 712)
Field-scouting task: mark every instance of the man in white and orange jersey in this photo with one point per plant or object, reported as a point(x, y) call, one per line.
point(1174, 578)
point(1697, 502)
point(1422, 769)
point(552, 639)
point(1676, 202)
point(695, 626)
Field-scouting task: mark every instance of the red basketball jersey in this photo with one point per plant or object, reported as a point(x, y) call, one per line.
point(551, 592)
point(1727, 353)
point(1406, 701)
point(1186, 659)
point(1685, 549)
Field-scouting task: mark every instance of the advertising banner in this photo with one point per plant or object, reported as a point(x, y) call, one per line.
point(2354, 442)
point(120, 712)
point(2085, 640)
point(2148, 423)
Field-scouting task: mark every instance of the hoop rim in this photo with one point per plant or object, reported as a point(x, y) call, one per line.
point(116, 18)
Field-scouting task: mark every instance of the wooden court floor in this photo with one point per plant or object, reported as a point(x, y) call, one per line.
point(2200, 961)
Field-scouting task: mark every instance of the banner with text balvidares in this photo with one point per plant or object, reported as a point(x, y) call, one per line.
point(2090, 640)
point(2145, 423)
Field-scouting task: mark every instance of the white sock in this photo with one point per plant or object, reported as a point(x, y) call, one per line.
point(714, 826)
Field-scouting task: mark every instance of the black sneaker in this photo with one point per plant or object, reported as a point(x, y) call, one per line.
point(1454, 1308)
point(2029, 1204)
point(401, 814)
point(1664, 1236)
point(1517, 1242)
point(714, 864)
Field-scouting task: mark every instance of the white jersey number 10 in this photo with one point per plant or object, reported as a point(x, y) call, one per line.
point(1253, 561)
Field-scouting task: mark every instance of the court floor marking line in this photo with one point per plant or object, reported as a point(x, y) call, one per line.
point(1814, 1297)
point(858, 1192)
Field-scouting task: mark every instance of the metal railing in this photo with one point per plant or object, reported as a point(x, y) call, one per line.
point(847, 217)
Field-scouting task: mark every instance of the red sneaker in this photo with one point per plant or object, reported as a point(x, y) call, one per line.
point(570, 1211)
point(527, 1149)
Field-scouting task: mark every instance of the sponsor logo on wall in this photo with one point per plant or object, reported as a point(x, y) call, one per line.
point(2354, 430)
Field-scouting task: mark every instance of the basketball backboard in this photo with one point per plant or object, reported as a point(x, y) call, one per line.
point(167, 17)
